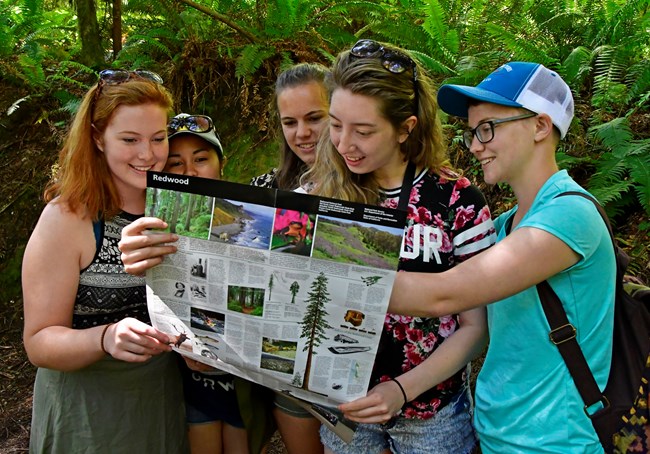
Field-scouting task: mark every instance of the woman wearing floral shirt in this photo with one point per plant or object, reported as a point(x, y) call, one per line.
point(385, 146)
point(454, 216)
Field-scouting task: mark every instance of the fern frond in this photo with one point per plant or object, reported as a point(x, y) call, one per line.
point(361, 8)
point(7, 35)
point(640, 173)
point(390, 30)
point(608, 168)
point(520, 47)
point(251, 58)
point(638, 81)
point(444, 43)
point(610, 193)
point(472, 69)
point(432, 65)
point(625, 165)
point(31, 70)
point(577, 66)
point(566, 161)
point(69, 104)
point(435, 22)
point(613, 134)
point(281, 18)
point(607, 67)
point(335, 37)
point(285, 61)
point(149, 42)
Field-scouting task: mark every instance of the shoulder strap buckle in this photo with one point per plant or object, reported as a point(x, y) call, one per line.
point(562, 334)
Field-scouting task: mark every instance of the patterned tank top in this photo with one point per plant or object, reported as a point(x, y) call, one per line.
point(107, 293)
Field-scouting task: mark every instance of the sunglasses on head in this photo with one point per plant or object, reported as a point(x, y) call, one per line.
point(119, 76)
point(392, 60)
point(193, 123)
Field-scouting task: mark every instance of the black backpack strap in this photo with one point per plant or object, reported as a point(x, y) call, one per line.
point(621, 259)
point(563, 333)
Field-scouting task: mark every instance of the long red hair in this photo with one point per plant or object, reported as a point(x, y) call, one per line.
point(82, 179)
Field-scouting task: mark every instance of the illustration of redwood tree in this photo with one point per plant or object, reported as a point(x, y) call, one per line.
point(270, 286)
point(313, 323)
point(294, 289)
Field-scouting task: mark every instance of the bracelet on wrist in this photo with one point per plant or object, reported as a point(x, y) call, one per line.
point(401, 388)
point(101, 339)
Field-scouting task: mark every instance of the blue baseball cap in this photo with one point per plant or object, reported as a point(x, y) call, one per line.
point(515, 84)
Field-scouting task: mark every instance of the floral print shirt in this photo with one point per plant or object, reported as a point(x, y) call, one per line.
point(448, 221)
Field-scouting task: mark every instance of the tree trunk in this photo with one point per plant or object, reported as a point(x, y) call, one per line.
point(190, 212)
point(92, 53)
point(117, 27)
point(175, 213)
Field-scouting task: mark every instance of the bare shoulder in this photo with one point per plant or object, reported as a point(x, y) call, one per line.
point(62, 232)
point(59, 212)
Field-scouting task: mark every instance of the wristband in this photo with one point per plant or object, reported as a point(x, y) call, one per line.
point(101, 339)
point(401, 388)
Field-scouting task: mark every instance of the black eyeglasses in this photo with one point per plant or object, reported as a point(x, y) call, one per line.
point(194, 123)
point(484, 131)
point(394, 61)
point(119, 76)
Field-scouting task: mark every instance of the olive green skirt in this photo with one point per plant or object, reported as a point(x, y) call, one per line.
point(110, 407)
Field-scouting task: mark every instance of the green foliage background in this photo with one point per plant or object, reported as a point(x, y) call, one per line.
point(221, 57)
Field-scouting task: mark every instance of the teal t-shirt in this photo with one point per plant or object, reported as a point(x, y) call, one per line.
point(526, 400)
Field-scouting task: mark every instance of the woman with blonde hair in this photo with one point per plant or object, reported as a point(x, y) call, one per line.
point(385, 146)
point(106, 381)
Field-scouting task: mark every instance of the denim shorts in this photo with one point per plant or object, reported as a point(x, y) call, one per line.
point(450, 431)
point(210, 398)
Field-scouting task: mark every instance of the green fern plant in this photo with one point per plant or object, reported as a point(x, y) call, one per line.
point(144, 49)
point(638, 82)
point(622, 172)
point(251, 58)
point(610, 67)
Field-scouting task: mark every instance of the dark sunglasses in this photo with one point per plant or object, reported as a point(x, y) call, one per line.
point(394, 61)
point(119, 76)
point(194, 123)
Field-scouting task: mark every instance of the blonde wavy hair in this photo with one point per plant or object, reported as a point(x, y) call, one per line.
point(425, 146)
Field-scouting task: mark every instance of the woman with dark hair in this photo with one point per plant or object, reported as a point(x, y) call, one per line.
point(300, 102)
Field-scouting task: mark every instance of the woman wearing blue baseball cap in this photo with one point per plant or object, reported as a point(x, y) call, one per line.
point(526, 400)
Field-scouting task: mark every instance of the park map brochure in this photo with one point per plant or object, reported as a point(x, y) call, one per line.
point(285, 289)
